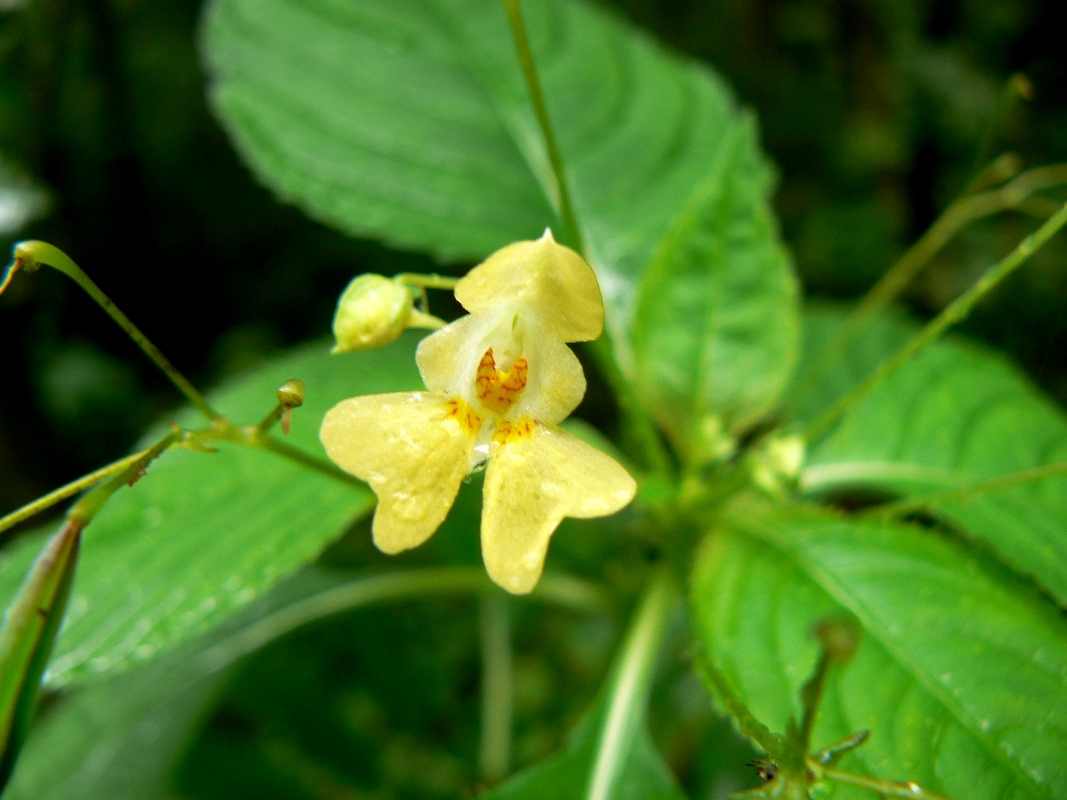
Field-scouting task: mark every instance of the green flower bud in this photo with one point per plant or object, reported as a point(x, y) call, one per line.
point(372, 312)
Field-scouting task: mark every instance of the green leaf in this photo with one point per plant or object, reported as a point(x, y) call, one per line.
point(120, 739)
point(203, 534)
point(565, 776)
point(960, 671)
point(955, 416)
point(410, 122)
point(717, 321)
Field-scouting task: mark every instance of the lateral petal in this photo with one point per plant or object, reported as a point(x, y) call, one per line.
point(533, 481)
point(413, 449)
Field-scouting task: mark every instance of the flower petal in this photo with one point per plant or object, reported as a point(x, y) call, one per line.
point(548, 278)
point(413, 451)
point(532, 483)
point(448, 361)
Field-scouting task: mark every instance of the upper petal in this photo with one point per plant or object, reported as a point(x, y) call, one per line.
point(531, 484)
point(412, 449)
point(550, 279)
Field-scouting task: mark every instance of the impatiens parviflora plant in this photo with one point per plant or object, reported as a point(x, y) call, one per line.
point(660, 185)
point(501, 379)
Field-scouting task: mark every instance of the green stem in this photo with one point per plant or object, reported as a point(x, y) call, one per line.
point(957, 216)
point(498, 688)
point(954, 313)
point(82, 512)
point(63, 492)
point(297, 455)
point(883, 788)
point(554, 589)
point(533, 85)
point(30, 255)
point(966, 492)
point(631, 684)
point(432, 281)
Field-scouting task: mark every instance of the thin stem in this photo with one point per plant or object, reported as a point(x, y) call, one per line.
point(810, 696)
point(498, 687)
point(284, 450)
point(968, 491)
point(32, 254)
point(82, 512)
point(631, 684)
point(883, 788)
point(957, 216)
point(63, 492)
point(954, 313)
point(433, 281)
point(533, 85)
point(375, 589)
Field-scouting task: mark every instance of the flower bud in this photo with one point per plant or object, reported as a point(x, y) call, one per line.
point(291, 393)
point(372, 312)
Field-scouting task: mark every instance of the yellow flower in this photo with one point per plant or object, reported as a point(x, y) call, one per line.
point(500, 380)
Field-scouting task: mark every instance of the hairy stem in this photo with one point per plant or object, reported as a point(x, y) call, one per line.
point(533, 85)
point(631, 684)
point(954, 313)
point(30, 255)
point(498, 687)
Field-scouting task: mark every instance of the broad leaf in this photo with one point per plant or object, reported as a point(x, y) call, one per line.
point(955, 416)
point(203, 534)
point(960, 671)
point(120, 739)
point(410, 122)
point(716, 327)
point(566, 776)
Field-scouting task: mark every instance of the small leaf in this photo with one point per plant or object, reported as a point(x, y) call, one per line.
point(717, 321)
point(203, 534)
point(411, 123)
point(955, 416)
point(959, 673)
point(27, 636)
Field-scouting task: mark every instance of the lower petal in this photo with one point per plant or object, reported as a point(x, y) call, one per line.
point(412, 450)
point(531, 484)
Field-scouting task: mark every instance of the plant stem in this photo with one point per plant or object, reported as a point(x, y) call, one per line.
point(959, 214)
point(63, 492)
point(631, 684)
point(533, 85)
point(498, 690)
point(82, 512)
point(967, 491)
point(883, 788)
point(30, 255)
point(433, 281)
point(297, 455)
point(375, 589)
point(954, 313)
